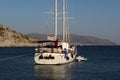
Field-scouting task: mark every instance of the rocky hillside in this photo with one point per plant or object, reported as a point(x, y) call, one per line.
point(81, 40)
point(10, 37)
point(89, 40)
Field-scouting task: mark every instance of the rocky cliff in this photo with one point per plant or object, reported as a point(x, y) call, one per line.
point(10, 37)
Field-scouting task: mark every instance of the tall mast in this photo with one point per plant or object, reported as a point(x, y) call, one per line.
point(55, 24)
point(65, 23)
point(63, 2)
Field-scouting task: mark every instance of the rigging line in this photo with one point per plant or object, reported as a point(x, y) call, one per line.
point(9, 58)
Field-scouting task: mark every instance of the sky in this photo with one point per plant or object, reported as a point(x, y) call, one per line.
point(97, 18)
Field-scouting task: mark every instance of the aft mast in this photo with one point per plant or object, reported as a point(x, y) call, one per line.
point(65, 23)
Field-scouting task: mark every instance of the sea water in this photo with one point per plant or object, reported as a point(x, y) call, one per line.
point(103, 64)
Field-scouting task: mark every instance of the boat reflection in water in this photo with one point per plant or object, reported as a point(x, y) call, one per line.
point(54, 72)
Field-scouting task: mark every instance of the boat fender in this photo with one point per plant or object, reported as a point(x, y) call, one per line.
point(72, 55)
point(67, 58)
point(46, 57)
point(51, 57)
point(41, 57)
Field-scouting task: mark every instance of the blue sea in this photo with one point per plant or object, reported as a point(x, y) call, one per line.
point(17, 63)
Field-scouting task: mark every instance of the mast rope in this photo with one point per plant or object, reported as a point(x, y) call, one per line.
point(14, 57)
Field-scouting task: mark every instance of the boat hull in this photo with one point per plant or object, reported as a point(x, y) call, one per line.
point(53, 58)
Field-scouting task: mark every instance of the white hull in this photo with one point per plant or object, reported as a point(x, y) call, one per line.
point(58, 58)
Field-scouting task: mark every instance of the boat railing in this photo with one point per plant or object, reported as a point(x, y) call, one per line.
point(48, 50)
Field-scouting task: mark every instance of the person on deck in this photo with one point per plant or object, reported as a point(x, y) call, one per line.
point(56, 43)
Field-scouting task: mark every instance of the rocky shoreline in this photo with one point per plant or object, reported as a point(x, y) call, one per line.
point(9, 37)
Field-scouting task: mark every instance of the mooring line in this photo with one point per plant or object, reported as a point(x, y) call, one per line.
point(9, 58)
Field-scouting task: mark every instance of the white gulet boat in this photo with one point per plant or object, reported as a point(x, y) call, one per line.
point(53, 51)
